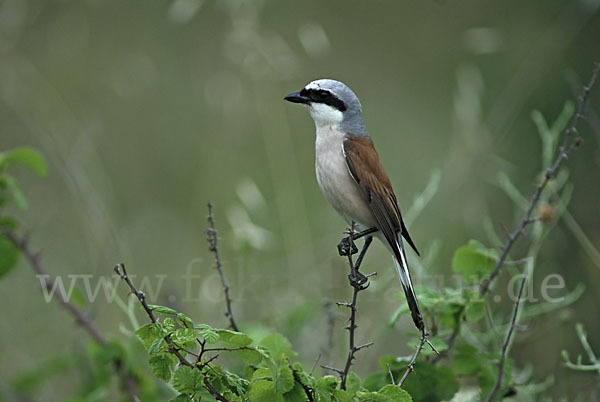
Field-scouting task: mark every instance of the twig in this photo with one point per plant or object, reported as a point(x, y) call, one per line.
point(563, 152)
point(122, 272)
point(312, 369)
point(506, 344)
point(340, 372)
point(390, 373)
point(83, 320)
point(211, 235)
point(411, 366)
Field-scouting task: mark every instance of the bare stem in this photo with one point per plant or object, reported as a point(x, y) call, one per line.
point(212, 237)
point(83, 320)
point(506, 344)
point(567, 146)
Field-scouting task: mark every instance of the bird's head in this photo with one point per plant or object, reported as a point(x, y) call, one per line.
point(331, 103)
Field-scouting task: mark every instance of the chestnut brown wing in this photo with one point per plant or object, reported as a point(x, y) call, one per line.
point(366, 169)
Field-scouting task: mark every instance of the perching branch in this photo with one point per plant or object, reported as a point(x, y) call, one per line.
point(122, 272)
point(211, 234)
point(506, 344)
point(83, 320)
point(569, 144)
point(357, 281)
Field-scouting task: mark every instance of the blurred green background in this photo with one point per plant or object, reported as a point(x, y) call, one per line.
point(146, 110)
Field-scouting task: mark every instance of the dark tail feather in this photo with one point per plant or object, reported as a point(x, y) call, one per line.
point(409, 292)
point(414, 307)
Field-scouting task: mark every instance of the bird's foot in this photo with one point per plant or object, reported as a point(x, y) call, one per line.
point(345, 247)
point(358, 280)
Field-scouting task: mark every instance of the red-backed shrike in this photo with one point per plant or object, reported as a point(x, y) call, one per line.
point(351, 176)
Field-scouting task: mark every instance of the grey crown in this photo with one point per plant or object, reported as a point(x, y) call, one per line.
point(353, 122)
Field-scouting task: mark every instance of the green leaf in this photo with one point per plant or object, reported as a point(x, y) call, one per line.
point(250, 356)
point(187, 380)
point(284, 380)
point(395, 393)
point(169, 324)
point(262, 373)
point(234, 338)
point(207, 332)
point(466, 359)
point(156, 346)
point(27, 157)
point(263, 391)
point(475, 310)
point(278, 346)
point(352, 383)
point(13, 186)
point(183, 335)
point(474, 261)
point(184, 320)
point(148, 334)
point(236, 383)
point(162, 309)
point(325, 386)
point(9, 255)
point(297, 394)
point(431, 383)
point(162, 365)
point(340, 395)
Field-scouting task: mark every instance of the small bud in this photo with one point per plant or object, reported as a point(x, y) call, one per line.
point(547, 213)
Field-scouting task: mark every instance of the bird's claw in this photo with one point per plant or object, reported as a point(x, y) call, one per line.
point(358, 280)
point(345, 247)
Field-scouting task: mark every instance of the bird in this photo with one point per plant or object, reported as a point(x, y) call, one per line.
point(352, 178)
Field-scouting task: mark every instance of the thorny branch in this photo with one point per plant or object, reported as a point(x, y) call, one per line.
point(122, 272)
point(211, 235)
point(84, 321)
point(506, 344)
point(569, 143)
point(357, 281)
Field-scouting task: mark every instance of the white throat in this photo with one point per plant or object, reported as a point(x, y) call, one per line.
point(325, 115)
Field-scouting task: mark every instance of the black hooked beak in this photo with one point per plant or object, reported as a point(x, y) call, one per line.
point(295, 97)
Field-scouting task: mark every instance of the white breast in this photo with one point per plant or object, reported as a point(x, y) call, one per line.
point(335, 181)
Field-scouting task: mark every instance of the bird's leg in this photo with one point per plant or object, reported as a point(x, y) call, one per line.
point(347, 247)
point(355, 277)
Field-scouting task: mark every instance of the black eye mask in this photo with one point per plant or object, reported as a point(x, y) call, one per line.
point(323, 96)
